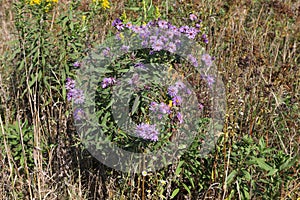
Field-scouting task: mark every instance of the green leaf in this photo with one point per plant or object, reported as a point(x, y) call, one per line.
point(179, 169)
point(262, 164)
point(186, 188)
point(290, 162)
point(174, 193)
point(246, 175)
point(135, 104)
point(231, 176)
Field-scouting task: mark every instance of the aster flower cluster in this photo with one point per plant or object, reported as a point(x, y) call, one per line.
point(169, 41)
point(147, 131)
point(108, 82)
point(160, 108)
point(74, 94)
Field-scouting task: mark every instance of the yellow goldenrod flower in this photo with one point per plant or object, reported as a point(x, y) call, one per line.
point(105, 4)
point(157, 12)
point(124, 17)
point(170, 103)
point(34, 2)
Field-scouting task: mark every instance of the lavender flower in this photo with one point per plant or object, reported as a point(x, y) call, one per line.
point(171, 47)
point(175, 30)
point(153, 106)
point(147, 132)
point(76, 64)
point(193, 17)
point(180, 84)
point(164, 108)
point(200, 106)
point(177, 100)
point(157, 45)
point(140, 66)
point(78, 114)
point(184, 29)
point(179, 117)
point(193, 60)
point(70, 84)
point(209, 79)
point(170, 34)
point(128, 25)
point(125, 48)
point(107, 82)
point(204, 38)
point(118, 24)
point(191, 33)
point(172, 91)
point(206, 58)
point(76, 95)
point(163, 24)
point(106, 52)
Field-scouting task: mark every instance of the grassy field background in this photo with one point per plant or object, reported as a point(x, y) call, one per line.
point(256, 46)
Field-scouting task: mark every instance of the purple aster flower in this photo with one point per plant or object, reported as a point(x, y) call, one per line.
point(204, 38)
point(206, 58)
point(106, 52)
point(118, 24)
point(170, 34)
point(76, 95)
point(177, 100)
point(188, 91)
point(151, 23)
point(147, 131)
point(76, 64)
point(193, 17)
point(193, 60)
point(157, 45)
point(184, 29)
point(180, 85)
point(78, 114)
point(179, 117)
point(70, 84)
point(163, 39)
point(163, 24)
point(171, 47)
point(164, 108)
point(172, 91)
point(209, 79)
point(153, 106)
point(140, 65)
point(177, 42)
point(135, 28)
point(191, 33)
point(198, 26)
point(174, 30)
point(144, 43)
point(153, 38)
point(108, 81)
point(200, 106)
point(128, 25)
point(125, 48)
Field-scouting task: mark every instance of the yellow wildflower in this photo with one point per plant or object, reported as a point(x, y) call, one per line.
point(170, 103)
point(105, 4)
point(83, 17)
point(34, 2)
point(157, 12)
